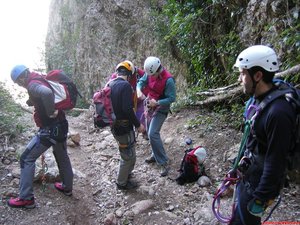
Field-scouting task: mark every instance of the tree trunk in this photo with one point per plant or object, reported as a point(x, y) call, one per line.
point(229, 93)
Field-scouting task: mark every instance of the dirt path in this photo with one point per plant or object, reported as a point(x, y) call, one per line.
point(158, 200)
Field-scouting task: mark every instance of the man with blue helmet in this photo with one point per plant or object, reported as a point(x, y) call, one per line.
point(53, 129)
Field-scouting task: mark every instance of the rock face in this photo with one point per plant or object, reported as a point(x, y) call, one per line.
point(265, 21)
point(92, 37)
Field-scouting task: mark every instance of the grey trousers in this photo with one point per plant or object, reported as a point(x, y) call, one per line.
point(33, 151)
point(126, 144)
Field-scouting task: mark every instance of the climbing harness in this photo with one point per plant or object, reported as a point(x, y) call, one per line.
point(148, 114)
point(234, 175)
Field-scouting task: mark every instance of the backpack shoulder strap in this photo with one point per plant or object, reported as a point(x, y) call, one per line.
point(42, 80)
point(285, 91)
point(272, 96)
point(183, 159)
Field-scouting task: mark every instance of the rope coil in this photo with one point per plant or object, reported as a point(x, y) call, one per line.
point(231, 178)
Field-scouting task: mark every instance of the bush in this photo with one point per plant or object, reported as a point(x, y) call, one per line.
point(9, 113)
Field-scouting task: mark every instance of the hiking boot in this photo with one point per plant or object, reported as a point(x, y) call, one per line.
point(60, 187)
point(149, 160)
point(129, 186)
point(21, 203)
point(164, 170)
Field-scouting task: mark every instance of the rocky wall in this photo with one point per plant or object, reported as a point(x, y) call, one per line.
point(97, 35)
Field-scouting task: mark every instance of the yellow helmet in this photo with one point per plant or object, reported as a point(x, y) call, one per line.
point(125, 67)
point(132, 65)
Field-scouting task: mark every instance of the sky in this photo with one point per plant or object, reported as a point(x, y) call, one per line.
point(23, 25)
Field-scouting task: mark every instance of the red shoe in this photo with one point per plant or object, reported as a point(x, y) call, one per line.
point(60, 187)
point(21, 203)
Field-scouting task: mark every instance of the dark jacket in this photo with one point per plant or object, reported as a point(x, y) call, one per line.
point(121, 97)
point(268, 145)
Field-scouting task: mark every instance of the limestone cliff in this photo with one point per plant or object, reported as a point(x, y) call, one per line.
point(88, 38)
point(91, 37)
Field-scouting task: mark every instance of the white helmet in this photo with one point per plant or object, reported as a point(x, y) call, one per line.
point(258, 55)
point(151, 65)
point(200, 153)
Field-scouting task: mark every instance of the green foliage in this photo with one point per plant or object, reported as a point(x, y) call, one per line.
point(56, 58)
point(290, 38)
point(9, 114)
point(204, 33)
point(287, 40)
point(62, 54)
point(185, 99)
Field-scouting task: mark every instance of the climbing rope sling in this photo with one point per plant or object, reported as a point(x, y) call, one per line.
point(234, 175)
point(231, 178)
point(43, 172)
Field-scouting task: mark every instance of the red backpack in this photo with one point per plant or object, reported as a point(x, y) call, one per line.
point(64, 90)
point(104, 114)
point(190, 169)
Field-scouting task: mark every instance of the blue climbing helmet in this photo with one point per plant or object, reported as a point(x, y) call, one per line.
point(17, 71)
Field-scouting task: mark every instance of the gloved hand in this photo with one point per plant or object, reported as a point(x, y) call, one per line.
point(257, 207)
point(152, 103)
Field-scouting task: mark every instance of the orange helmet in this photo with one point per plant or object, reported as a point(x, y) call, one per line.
point(125, 67)
point(132, 65)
